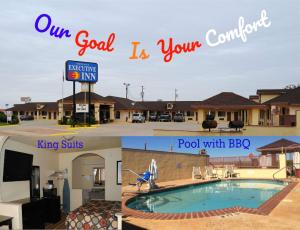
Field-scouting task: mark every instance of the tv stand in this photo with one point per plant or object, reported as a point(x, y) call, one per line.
point(33, 214)
point(38, 211)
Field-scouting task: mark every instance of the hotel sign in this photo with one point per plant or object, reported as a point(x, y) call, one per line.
point(82, 108)
point(81, 71)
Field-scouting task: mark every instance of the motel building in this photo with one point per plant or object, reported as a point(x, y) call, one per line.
point(269, 107)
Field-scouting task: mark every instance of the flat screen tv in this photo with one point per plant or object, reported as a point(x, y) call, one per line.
point(17, 166)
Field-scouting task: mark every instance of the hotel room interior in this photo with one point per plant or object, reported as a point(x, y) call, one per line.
point(63, 188)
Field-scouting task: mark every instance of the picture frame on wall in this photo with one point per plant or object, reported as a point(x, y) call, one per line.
point(119, 172)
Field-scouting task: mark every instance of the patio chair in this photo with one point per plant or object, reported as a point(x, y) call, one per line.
point(210, 173)
point(230, 172)
point(196, 173)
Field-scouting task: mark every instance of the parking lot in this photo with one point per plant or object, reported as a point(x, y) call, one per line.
point(51, 128)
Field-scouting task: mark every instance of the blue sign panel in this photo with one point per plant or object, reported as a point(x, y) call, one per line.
point(81, 71)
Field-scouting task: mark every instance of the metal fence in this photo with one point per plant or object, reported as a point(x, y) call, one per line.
point(264, 161)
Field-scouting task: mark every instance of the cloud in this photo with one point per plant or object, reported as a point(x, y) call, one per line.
point(31, 63)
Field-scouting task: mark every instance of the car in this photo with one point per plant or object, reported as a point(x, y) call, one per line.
point(165, 118)
point(138, 118)
point(26, 117)
point(153, 117)
point(179, 117)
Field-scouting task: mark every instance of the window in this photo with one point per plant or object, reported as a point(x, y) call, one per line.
point(190, 113)
point(99, 176)
point(221, 114)
point(118, 115)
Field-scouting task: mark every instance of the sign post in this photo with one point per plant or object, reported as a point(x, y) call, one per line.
point(74, 105)
point(89, 103)
point(81, 72)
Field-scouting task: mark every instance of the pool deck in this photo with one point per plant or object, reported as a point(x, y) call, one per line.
point(284, 215)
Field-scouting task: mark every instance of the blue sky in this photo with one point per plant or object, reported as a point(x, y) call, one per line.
point(164, 143)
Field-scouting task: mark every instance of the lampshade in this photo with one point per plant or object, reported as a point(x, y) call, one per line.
point(58, 175)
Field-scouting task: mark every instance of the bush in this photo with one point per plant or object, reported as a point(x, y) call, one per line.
point(236, 124)
point(72, 122)
point(15, 120)
point(209, 124)
point(2, 117)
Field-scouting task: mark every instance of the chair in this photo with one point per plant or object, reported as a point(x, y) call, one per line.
point(230, 171)
point(209, 172)
point(144, 178)
point(196, 173)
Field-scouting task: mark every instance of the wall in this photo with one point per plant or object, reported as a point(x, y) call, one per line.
point(13, 210)
point(264, 98)
point(171, 166)
point(111, 156)
point(123, 115)
point(84, 166)
point(254, 117)
point(48, 162)
point(265, 173)
point(294, 109)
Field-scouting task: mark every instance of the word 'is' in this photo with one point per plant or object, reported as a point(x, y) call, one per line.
point(82, 40)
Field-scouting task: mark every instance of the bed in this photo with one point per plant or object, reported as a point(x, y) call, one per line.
point(95, 214)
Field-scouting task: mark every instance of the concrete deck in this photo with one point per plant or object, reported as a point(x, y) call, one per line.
point(286, 215)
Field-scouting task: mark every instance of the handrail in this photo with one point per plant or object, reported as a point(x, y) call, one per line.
point(278, 172)
point(293, 166)
point(129, 170)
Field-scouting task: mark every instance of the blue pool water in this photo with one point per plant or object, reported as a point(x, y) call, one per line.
point(210, 196)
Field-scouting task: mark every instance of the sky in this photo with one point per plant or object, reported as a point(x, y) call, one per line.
point(184, 144)
point(32, 63)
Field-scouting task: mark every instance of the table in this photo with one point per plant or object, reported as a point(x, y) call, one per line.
point(6, 220)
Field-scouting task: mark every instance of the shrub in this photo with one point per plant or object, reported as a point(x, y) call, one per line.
point(2, 117)
point(15, 120)
point(209, 124)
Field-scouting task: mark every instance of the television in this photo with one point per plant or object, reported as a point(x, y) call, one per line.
point(17, 166)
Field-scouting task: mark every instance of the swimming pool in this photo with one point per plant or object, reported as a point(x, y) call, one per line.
point(208, 196)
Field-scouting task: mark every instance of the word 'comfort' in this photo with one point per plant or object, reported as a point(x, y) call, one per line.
point(241, 32)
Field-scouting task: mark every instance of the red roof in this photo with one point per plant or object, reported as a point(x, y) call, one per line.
point(292, 97)
point(279, 145)
point(226, 100)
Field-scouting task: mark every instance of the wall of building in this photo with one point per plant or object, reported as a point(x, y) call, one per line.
point(254, 117)
point(294, 109)
point(171, 166)
point(123, 115)
point(264, 98)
